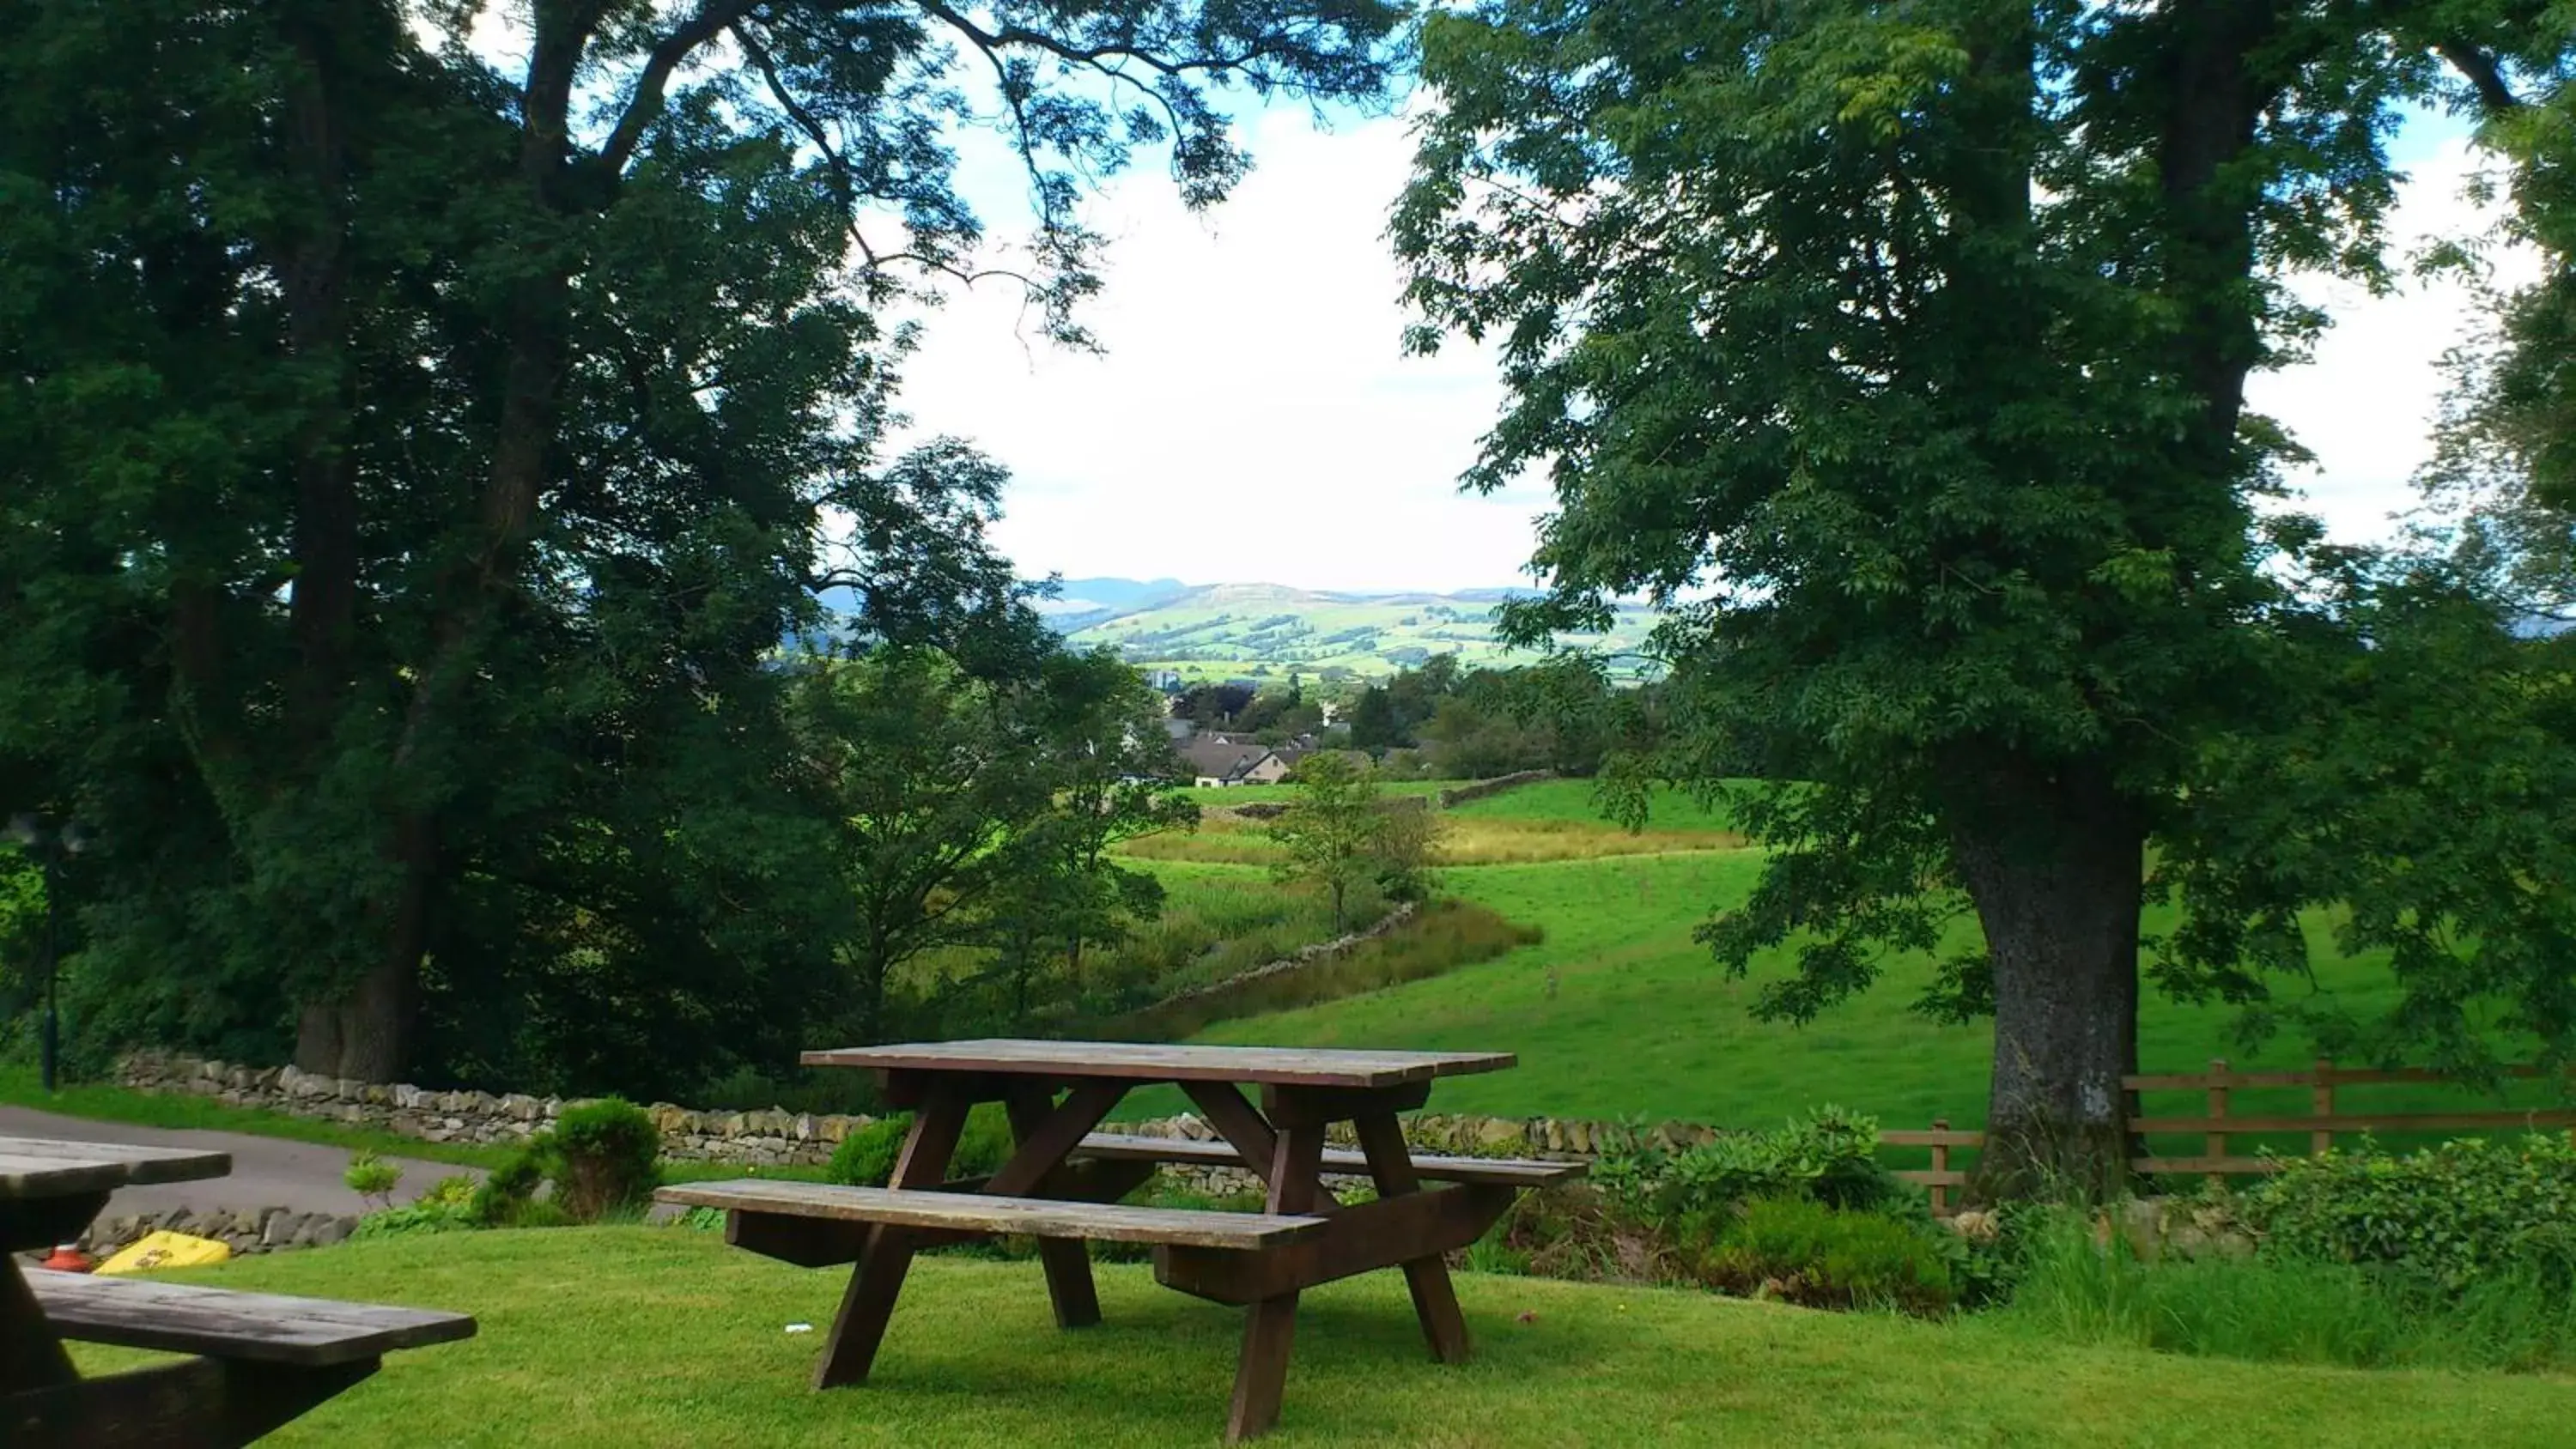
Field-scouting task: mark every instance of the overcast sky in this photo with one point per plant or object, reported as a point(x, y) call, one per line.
point(1254, 418)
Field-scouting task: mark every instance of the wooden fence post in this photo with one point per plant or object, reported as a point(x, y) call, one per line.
point(1940, 1163)
point(2321, 1101)
point(2215, 1146)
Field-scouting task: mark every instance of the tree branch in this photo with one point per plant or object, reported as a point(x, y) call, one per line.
point(2482, 73)
point(712, 18)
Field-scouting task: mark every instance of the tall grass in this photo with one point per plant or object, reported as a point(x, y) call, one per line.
point(1441, 937)
point(1464, 840)
point(2279, 1310)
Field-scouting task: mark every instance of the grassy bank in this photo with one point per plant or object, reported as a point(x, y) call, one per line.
point(1618, 1012)
point(630, 1337)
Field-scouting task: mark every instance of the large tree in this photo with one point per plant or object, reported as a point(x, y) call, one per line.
point(411, 458)
point(1901, 351)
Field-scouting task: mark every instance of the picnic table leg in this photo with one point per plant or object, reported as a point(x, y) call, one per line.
point(1261, 1376)
point(1435, 1299)
point(31, 1356)
point(1066, 1260)
point(878, 1279)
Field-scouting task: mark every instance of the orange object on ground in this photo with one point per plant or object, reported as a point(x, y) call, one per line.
point(68, 1258)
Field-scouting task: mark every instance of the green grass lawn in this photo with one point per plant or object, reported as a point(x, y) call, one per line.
point(1571, 801)
point(638, 1337)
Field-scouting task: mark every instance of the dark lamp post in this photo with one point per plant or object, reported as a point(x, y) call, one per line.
point(49, 841)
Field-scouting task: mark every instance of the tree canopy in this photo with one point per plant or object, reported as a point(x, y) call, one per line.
point(413, 461)
point(1900, 351)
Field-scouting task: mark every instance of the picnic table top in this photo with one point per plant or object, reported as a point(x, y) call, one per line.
point(1146, 1061)
point(42, 1167)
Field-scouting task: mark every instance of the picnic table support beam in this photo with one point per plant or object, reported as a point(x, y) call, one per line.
point(1046, 1133)
point(30, 1357)
point(1435, 1299)
point(868, 1304)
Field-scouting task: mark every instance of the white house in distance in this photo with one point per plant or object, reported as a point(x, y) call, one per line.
point(1219, 760)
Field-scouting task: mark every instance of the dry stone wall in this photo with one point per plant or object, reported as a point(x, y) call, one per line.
point(754, 1139)
point(758, 1139)
point(246, 1231)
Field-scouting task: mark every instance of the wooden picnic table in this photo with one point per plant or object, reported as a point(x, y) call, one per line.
point(262, 1360)
point(1063, 1182)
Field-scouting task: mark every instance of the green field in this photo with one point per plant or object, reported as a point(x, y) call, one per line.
point(1619, 1013)
point(1221, 796)
point(629, 1337)
point(1263, 631)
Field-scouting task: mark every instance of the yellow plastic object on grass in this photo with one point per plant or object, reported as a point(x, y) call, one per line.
point(166, 1250)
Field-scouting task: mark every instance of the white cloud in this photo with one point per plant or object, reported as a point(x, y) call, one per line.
point(2366, 404)
point(1254, 418)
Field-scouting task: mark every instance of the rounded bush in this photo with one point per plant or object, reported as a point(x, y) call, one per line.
point(607, 1157)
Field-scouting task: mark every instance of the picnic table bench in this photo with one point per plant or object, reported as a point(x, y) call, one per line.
point(259, 1360)
point(1063, 1183)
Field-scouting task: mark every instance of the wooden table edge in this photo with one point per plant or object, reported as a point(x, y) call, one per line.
point(1392, 1075)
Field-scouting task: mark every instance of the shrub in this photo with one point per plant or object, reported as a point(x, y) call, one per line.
point(605, 1156)
point(1809, 1252)
point(370, 1176)
point(2453, 1214)
point(1830, 1157)
point(866, 1157)
point(447, 1207)
point(508, 1191)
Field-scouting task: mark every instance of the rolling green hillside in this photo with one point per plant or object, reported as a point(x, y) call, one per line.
point(1262, 631)
point(1618, 1012)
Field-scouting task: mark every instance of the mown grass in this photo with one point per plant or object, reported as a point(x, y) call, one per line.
point(1574, 802)
point(626, 1337)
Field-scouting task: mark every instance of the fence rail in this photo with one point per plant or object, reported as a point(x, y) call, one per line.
point(2322, 1122)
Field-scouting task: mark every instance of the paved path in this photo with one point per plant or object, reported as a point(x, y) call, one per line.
point(267, 1171)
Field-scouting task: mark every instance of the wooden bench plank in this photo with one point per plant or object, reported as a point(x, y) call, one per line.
point(222, 1323)
point(979, 1212)
point(1492, 1171)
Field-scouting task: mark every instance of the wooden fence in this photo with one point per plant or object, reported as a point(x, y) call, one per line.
point(2322, 1122)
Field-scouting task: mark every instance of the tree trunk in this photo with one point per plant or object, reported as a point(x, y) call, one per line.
point(2053, 860)
point(367, 1035)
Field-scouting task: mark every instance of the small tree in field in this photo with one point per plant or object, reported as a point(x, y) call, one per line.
point(1333, 830)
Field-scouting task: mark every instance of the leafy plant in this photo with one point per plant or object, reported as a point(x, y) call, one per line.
point(372, 1178)
point(448, 1206)
point(508, 1191)
point(1829, 1157)
point(866, 1158)
point(605, 1156)
point(2453, 1214)
point(1808, 1252)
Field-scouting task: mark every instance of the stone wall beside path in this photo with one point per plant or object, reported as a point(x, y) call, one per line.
point(770, 1138)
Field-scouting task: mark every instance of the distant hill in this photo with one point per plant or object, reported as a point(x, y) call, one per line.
point(1260, 631)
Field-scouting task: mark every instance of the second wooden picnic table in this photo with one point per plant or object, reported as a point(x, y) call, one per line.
point(1063, 1182)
